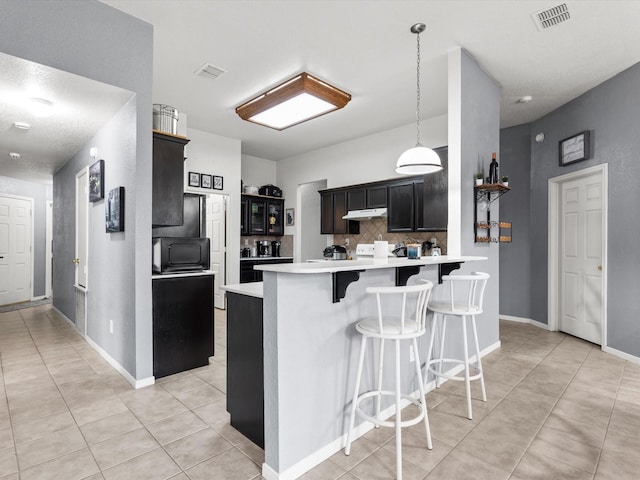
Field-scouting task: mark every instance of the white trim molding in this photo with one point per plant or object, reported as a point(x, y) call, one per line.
point(145, 382)
point(625, 356)
point(530, 321)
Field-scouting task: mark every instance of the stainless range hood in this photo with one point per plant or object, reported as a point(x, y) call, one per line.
point(367, 214)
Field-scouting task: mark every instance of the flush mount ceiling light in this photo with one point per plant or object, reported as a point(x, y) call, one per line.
point(40, 107)
point(295, 101)
point(418, 160)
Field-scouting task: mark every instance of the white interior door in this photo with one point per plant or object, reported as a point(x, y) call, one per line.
point(82, 212)
point(216, 231)
point(581, 257)
point(16, 228)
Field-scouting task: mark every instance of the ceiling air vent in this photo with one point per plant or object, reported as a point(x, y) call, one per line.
point(209, 71)
point(551, 16)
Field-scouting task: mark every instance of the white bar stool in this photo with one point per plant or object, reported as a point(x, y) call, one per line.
point(468, 307)
point(396, 328)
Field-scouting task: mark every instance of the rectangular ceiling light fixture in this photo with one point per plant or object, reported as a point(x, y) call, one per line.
point(295, 101)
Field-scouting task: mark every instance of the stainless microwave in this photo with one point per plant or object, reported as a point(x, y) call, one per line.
point(180, 254)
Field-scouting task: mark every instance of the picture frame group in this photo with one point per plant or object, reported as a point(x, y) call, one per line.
point(205, 180)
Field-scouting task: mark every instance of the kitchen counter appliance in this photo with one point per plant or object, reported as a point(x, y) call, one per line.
point(365, 250)
point(264, 248)
point(335, 252)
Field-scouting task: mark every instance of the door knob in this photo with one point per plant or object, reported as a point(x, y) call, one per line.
point(76, 261)
point(600, 267)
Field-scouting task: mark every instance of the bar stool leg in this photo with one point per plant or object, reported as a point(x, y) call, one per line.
point(444, 332)
point(467, 381)
point(380, 372)
point(423, 398)
point(398, 415)
point(354, 403)
point(432, 337)
point(479, 361)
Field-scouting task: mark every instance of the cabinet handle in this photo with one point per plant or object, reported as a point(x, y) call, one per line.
point(76, 261)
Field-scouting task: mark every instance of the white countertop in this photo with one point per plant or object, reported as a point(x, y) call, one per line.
point(369, 264)
point(253, 289)
point(183, 274)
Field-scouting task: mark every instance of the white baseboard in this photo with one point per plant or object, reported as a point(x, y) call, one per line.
point(319, 456)
point(39, 297)
point(145, 382)
point(535, 323)
point(625, 356)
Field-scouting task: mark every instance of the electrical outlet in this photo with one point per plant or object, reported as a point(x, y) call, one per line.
point(111, 326)
point(346, 242)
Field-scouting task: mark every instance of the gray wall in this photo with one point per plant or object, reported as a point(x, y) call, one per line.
point(94, 40)
point(515, 257)
point(39, 193)
point(480, 129)
point(611, 111)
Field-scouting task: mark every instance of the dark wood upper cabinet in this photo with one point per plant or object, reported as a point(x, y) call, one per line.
point(333, 206)
point(432, 199)
point(168, 179)
point(356, 199)
point(400, 206)
point(377, 196)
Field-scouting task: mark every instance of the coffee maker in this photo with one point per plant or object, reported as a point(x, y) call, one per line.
point(275, 248)
point(264, 249)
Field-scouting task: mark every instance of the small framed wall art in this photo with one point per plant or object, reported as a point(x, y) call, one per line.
point(194, 179)
point(96, 181)
point(290, 215)
point(205, 180)
point(217, 182)
point(575, 148)
point(114, 210)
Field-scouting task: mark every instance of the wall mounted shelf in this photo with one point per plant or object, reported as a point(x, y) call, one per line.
point(485, 195)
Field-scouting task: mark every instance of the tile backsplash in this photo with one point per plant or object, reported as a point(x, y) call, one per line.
point(371, 229)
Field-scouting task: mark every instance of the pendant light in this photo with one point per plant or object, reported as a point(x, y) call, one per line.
point(418, 160)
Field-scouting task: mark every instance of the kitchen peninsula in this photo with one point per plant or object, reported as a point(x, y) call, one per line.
point(310, 356)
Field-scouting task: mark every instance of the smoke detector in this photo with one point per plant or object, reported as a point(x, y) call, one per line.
point(14, 156)
point(525, 99)
point(551, 16)
point(209, 71)
point(22, 125)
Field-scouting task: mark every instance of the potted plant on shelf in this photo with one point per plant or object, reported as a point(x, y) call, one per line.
point(505, 180)
point(479, 177)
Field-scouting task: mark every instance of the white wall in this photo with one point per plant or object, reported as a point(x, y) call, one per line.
point(216, 155)
point(365, 159)
point(258, 171)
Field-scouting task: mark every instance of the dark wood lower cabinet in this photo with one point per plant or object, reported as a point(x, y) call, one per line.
point(182, 323)
point(245, 366)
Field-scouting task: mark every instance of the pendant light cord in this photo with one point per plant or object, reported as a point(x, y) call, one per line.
point(418, 92)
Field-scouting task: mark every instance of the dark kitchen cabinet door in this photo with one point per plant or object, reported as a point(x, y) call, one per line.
point(333, 206)
point(257, 216)
point(377, 196)
point(432, 198)
point(182, 323)
point(356, 199)
point(400, 214)
point(168, 180)
point(244, 216)
point(275, 217)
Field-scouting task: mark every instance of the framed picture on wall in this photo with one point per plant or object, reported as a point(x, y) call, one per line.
point(290, 215)
point(217, 182)
point(575, 148)
point(205, 180)
point(114, 210)
point(194, 179)
point(96, 181)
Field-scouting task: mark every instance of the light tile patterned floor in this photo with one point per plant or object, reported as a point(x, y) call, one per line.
point(558, 408)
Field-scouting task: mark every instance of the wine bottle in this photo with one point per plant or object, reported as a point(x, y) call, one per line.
point(493, 169)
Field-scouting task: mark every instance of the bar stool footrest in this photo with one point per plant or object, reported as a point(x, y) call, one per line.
point(386, 423)
point(452, 377)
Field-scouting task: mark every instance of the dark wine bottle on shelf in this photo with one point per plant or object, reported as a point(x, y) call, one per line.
point(493, 169)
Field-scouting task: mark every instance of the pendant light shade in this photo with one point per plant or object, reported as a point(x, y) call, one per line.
point(418, 160)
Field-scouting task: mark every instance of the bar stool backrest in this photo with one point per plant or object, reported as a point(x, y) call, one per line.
point(422, 291)
point(474, 297)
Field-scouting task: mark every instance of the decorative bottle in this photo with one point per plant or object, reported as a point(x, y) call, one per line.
point(493, 169)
